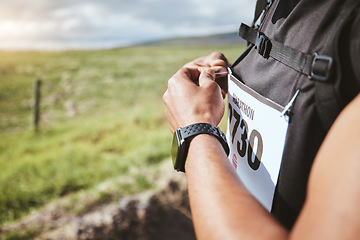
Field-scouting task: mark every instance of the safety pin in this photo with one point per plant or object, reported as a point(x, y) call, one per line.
point(286, 108)
point(218, 73)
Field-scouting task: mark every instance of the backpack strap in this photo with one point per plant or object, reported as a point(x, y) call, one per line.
point(322, 68)
point(261, 6)
point(315, 66)
point(328, 104)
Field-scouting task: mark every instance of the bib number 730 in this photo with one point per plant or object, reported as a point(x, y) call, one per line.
point(245, 145)
point(256, 134)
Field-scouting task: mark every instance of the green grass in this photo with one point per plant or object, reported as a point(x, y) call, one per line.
point(20, 235)
point(101, 116)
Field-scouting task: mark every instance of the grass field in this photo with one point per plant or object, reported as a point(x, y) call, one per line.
point(102, 116)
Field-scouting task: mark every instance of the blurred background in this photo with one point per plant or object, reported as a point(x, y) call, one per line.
point(94, 24)
point(84, 143)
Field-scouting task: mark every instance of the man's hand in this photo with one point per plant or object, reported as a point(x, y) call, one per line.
point(215, 61)
point(193, 96)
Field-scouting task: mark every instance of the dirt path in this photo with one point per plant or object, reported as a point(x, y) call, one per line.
point(163, 213)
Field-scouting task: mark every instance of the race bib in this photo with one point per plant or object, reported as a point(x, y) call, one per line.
point(256, 134)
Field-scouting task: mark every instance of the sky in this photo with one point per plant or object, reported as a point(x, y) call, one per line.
point(101, 24)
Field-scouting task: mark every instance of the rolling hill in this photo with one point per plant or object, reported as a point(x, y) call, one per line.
point(223, 39)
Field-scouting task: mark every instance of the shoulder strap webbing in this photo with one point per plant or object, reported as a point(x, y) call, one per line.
point(328, 104)
point(260, 7)
point(313, 65)
point(316, 67)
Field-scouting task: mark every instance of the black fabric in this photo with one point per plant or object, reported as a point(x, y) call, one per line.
point(329, 102)
point(354, 50)
point(303, 25)
point(297, 60)
point(283, 9)
point(260, 7)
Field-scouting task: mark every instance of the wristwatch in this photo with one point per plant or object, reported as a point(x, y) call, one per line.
point(183, 136)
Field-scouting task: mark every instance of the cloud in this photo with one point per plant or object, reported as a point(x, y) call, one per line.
point(109, 23)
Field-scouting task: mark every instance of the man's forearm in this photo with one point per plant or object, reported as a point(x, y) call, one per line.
point(221, 206)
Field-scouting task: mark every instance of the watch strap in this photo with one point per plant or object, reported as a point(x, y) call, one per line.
point(205, 128)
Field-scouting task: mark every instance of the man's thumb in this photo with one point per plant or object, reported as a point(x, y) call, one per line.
point(206, 75)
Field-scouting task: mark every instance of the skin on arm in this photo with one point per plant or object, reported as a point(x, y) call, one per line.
point(331, 210)
point(221, 206)
point(194, 96)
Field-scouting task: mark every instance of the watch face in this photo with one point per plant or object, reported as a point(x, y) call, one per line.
point(174, 148)
point(178, 151)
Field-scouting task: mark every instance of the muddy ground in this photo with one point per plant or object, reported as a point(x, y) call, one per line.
point(155, 214)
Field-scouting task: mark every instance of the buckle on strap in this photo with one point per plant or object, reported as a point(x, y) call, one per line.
point(320, 67)
point(263, 45)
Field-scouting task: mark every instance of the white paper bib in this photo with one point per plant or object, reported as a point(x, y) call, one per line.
point(256, 134)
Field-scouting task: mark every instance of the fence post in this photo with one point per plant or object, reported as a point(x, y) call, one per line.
point(37, 95)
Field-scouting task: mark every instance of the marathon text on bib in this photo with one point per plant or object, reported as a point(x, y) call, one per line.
point(256, 134)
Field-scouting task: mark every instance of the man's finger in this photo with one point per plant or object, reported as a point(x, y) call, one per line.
point(218, 59)
point(206, 75)
point(187, 73)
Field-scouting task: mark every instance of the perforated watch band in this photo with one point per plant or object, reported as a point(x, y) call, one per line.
point(205, 128)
